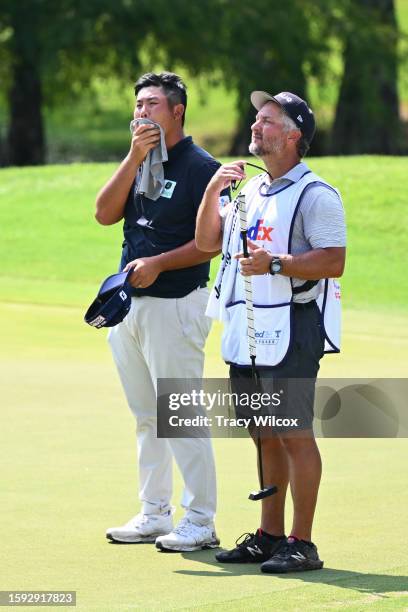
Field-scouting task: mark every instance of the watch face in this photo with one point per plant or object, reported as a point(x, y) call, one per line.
point(276, 266)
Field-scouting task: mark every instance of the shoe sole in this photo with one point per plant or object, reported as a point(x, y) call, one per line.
point(147, 540)
point(241, 561)
point(281, 570)
point(206, 546)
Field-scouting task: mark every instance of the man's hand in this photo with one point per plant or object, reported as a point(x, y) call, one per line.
point(145, 271)
point(145, 137)
point(312, 265)
point(258, 261)
point(234, 171)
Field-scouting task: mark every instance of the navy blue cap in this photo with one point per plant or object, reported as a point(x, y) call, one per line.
point(112, 303)
point(297, 109)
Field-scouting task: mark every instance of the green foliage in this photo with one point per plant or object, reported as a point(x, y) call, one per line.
point(260, 45)
point(235, 45)
point(367, 116)
point(96, 127)
point(273, 50)
point(401, 7)
point(70, 41)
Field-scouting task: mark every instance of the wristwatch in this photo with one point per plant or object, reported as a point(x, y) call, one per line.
point(275, 266)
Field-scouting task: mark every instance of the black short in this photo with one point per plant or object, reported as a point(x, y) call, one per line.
point(291, 385)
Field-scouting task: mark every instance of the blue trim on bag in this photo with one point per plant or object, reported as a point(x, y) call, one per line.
point(270, 195)
point(298, 206)
point(326, 337)
point(334, 347)
point(230, 304)
point(298, 289)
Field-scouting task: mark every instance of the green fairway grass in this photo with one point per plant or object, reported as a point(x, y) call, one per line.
point(54, 333)
point(68, 438)
point(52, 250)
point(68, 472)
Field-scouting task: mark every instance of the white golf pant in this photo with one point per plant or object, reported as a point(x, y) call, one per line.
point(164, 338)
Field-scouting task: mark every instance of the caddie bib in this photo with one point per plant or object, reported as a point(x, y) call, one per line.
point(270, 225)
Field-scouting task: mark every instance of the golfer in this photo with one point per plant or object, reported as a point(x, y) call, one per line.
point(297, 244)
point(156, 191)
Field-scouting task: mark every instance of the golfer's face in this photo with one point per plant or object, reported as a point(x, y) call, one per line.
point(268, 135)
point(151, 103)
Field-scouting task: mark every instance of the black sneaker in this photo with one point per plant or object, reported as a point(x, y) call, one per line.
point(294, 556)
point(254, 548)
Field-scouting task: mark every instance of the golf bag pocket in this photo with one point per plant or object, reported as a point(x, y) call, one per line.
point(272, 330)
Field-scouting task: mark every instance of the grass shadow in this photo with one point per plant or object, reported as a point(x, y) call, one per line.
point(347, 579)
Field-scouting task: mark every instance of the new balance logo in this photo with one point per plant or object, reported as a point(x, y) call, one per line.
point(254, 550)
point(298, 556)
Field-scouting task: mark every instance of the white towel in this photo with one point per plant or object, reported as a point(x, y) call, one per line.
point(152, 178)
point(222, 291)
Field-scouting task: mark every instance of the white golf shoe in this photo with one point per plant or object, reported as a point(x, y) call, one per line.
point(188, 536)
point(142, 528)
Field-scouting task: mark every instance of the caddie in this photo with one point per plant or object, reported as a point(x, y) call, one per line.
point(297, 239)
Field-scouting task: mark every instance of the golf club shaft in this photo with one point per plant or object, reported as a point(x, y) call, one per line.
point(250, 320)
point(247, 284)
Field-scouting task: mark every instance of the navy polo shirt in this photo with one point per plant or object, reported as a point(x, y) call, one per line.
point(154, 227)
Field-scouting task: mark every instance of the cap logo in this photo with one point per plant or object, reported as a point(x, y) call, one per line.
point(286, 97)
point(300, 118)
point(123, 296)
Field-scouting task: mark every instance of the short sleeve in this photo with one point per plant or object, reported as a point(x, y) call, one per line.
point(323, 218)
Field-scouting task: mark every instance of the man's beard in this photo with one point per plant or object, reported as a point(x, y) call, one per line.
point(255, 149)
point(273, 146)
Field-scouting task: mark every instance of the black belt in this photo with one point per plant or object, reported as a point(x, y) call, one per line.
point(304, 305)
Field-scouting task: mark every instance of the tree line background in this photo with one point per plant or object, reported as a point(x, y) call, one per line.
point(67, 69)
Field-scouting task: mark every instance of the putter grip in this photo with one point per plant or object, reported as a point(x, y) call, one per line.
point(234, 182)
point(244, 243)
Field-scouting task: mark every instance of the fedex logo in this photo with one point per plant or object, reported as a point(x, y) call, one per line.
point(260, 231)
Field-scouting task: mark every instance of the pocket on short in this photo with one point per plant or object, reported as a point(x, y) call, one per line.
point(192, 320)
